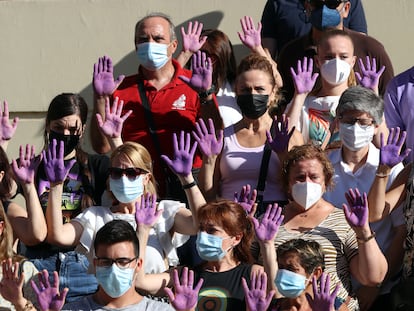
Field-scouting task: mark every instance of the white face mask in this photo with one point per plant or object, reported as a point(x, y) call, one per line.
point(306, 194)
point(354, 136)
point(335, 71)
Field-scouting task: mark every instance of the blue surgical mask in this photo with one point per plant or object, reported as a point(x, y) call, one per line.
point(324, 17)
point(152, 55)
point(289, 283)
point(210, 247)
point(126, 190)
point(114, 280)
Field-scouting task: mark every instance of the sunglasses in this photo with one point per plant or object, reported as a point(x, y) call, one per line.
point(332, 4)
point(130, 172)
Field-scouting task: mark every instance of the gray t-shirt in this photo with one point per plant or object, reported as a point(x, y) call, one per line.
point(87, 303)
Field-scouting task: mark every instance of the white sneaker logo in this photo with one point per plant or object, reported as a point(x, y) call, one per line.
point(179, 104)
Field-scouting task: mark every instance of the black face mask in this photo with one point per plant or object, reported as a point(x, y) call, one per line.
point(253, 106)
point(70, 141)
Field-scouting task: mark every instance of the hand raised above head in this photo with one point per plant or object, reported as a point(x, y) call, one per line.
point(357, 212)
point(185, 296)
point(390, 154)
point(28, 164)
point(257, 298)
point(112, 126)
point(103, 77)
point(192, 39)
point(202, 68)
point(268, 226)
point(55, 168)
point(208, 143)
point(146, 212)
point(250, 35)
point(183, 157)
point(7, 129)
point(369, 76)
point(304, 78)
point(48, 296)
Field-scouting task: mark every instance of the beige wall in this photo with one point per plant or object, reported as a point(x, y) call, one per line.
point(49, 47)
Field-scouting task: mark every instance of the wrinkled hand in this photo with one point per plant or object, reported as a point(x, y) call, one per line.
point(146, 212)
point(112, 126)
point(103, 77)
point(208, 143)
point(183, 159)
point(55, 168)
point(268, 226)
point(49, 297)
point(191, 40)
point(202, 77)
point(369, 76)
point(304, 77)
point(247, 198)
point(7, 129)
point(390, 154)
point(280, 142)
point(28, 164)
point(256, 297)
point(250, 36)
point(11, 285)
point(357, 212)
point(185, 297)
point(322, 300)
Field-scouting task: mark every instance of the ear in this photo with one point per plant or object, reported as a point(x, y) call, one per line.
point(237, 238)
point(1, 227)
point(346, 9)
point(173, 46)
point(139, 264)
point(316, 61)
point(354, 58)
point(83, 128)
point(317, 272)
point(1, 175)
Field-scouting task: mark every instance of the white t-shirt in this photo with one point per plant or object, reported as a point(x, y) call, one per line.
point(229, 110)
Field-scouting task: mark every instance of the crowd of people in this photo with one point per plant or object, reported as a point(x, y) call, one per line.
point(278, 183)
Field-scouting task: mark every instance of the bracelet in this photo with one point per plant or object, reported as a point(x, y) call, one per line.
point(190, 185)
point(382, 175)
point(364, 240)
point(28, 306)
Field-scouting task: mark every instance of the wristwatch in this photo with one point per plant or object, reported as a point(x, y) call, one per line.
point(203, 95)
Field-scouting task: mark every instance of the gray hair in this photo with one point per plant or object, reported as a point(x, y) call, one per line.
point(361, 99)
point(173, 36)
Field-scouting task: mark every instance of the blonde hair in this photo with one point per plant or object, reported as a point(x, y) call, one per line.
point(6, 238)
point(140, 158)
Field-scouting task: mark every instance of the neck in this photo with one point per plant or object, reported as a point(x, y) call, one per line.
point(264, 122)
point(159, 78)
point(225, 264)
point(70, 155)
point(332, 90)
point(126, 208)
point(355, 158)
point(129, 298)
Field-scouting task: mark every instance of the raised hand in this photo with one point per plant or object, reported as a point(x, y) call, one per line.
point(55, 168)
point(185, 297)
point(268, 226)
point(202, 68)
point(256, 297)
point(390, 154)
point(322, 299)
point(146, 212)
point(246, 199)
point(208, 143)
point(192, 40)
point(103, 77)
point(49, 297)
point(11, 285)
point(369, 76)
point(182, 162)
point(357, 212)
point(112, 126)
point(250, 36)
point(28, 164)
point(280, 141)
point(7, 129)
point(304, 78)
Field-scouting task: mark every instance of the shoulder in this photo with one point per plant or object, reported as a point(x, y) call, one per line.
point(128, 82)
point(85, 303)
point(149, 304)
point(360, 38)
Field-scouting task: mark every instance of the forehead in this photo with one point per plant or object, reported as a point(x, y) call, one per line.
point(308, 166)
point(254, 77)
point(117, 250)
point(290, 258)
point(154, 26)
point(355, 114)
point(121, 161)
point(336, 43)
point(70, 121)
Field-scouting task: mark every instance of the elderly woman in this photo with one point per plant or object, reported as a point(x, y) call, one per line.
point(348, 242)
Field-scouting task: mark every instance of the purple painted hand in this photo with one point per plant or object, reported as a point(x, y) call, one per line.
point(186, 297)
point(7, 129)
point(322, 300)
point(146, 212)
point(191, 40)
point(250, 36)
point(256, 297)
point(55, 168)
point(269, 225)
point(357, 212)
point(246, 199)
point(369, 77)
point(49, 297)
point(304, 77)
point(390, 154)
point(202, 77)
point(280, 142)
point(28, 164)
point(183, 159)
point(112, 126)
point(103, 77)
point(208, 143)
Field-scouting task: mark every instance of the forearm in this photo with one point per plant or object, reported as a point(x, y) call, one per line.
point(54, 214)
point(376, 195)
point(206, 178)
point(99, 142)
point(294, 110)
point(24, 305)
point(209, 110)
point(194, 197)
point(184, 57)
point(268, 251)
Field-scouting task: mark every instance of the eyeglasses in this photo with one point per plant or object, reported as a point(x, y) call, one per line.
point(332, 4)
point(361, 121)
point(130, 172)
point(122, 263)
